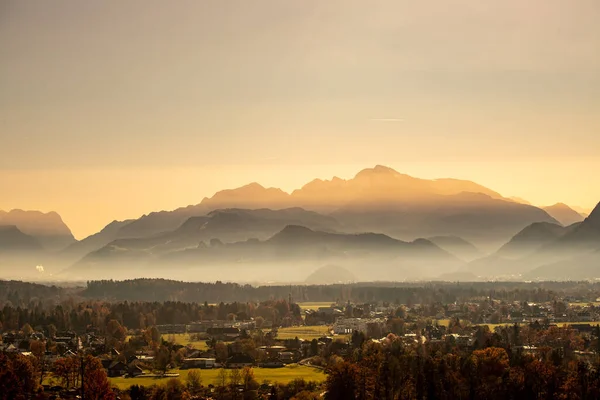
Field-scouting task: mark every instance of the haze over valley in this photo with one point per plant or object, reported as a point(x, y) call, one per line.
point(380, 225)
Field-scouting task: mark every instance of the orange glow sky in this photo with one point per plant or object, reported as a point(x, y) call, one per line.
point(112, 109)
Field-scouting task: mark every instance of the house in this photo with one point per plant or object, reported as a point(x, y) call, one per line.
point(135, 370)
point(203, 363)
point(132, 359)
point(11, 348)
point(117, 368)
point(171, 328)
point(349, 325)
point(223, 333)
point(272, 351)
point(287, 357)
point(274, 363)
point(239, 361)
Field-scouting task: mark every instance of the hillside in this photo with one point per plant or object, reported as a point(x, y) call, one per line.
point(12, 240)
point(457, 246)
point(531, 239)
point(92, 243)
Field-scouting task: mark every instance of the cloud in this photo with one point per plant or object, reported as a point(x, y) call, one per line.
point(40, 268)
point(387, 119)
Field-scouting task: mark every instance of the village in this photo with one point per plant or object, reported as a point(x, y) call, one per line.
point(322, 331)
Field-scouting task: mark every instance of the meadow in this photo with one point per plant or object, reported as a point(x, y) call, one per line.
point(314, 305)
point(209, 376)
point(303, 332)
point(185, 339)
point(445, 322)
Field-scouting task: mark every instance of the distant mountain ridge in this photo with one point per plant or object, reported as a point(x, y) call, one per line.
point(377, 199)
point(564, 214)
point(548, 251)
point(13, 240)
point(288, 252)
point(457, 246)
point(378, 209)
point(48, 228)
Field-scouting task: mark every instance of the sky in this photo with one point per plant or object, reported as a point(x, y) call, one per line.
point(113, 109)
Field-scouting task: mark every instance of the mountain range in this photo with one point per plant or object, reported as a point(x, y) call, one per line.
point(547, 251)
point(285, 254)
point(370, 225)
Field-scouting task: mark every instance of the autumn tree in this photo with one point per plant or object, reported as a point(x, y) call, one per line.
point(176, 390)
point(18, 379)
point(221, 352)
point(115, 331)
point(95, 382)
point(222, 377)
point(341, 381)
point(248, 380)
point(162, 359)
point(490, 369)
point(194, 382)
point(235, 377)
point(27, 330)
point(66, 369)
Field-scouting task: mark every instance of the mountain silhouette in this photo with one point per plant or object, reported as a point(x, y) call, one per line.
point(545, 251)
point(12, 240)
point(228, 225)
point(321, 223)
point(93, 242)
point(457, 246)
point(531, 239)
point(330, 274)
point(290, 251)
point(249, 196)
point(377, 199)
point(48, 228)
point(564, 214)
point(520, 200)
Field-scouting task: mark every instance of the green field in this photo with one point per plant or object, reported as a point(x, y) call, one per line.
point(444, 322)
point(185, 339)
point(274, 375)
point(314, 305)
point(303, 332)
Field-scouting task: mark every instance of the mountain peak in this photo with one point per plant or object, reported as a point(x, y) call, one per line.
point(559, 205)
point(377, 170)
point(594, 217)
point(295, 230)
point(564, 214)
point(253, 186)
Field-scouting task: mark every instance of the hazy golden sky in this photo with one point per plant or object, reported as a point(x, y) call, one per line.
point(116, 108)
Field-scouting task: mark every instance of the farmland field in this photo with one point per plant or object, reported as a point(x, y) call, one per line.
point(444, 322)
point(185, 339)
point(314, 305)
point(303, 332)
point(274, 375)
